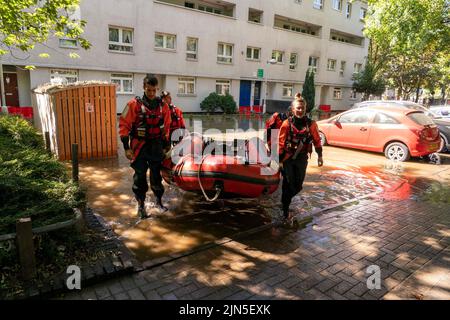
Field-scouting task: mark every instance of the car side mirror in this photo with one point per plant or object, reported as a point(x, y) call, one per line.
point(337, 123)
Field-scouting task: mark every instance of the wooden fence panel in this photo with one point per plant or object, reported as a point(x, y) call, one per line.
point(92, 128)
point(59, 125)
point(98, 125)
point(85, 115)
point(104, 122)
point(113, 118)
point(88, 123)
point(70, 119)
point(65, 112)
point(82, 147)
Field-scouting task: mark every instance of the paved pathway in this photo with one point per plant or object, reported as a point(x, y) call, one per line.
point(408, 239)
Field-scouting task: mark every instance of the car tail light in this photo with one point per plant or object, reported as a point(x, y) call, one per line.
point(427, 133)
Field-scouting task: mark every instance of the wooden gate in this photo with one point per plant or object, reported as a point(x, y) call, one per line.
point(84, 114)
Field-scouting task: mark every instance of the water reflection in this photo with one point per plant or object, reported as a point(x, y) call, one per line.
point(192, 221)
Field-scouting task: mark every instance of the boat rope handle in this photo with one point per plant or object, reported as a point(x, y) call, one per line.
point(218, 190)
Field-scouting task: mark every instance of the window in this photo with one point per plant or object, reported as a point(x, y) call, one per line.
point(189, 5)
point(255, 15)
point(357, 68)
point(421, 118)
point(225, 53)
point(288, 90)
point(313, 63)
point(337, 93)
point(120, 39)
point(186, 86)
point(382, 118)
point(165, 41)
point(348, 10)
point(191, 48)
point(331, 65)
point(209, 9)
point(278, 55)
point(356, 117)
point(223, 87)
point(353, 94)
point(293, 61)
point(66, 42)
point(318, 4)
point(362, 13)
point(342, 70)
point(58, 76)
point(337, 5)
point(253, 53)
point(124, 82)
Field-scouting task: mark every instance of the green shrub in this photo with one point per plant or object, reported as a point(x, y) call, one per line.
point(214, 101)
point(32, 182)
point(210, 103)
point(20, 131)
point(227, 104)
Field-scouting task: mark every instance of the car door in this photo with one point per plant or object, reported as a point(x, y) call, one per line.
point(383, 128)
point(352, 129)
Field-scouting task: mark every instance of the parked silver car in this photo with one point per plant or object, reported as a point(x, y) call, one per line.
point(443, 111)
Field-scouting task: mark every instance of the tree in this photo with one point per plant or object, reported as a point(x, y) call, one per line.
point(27, 22)
point(407, 37)
point(367, 82)
point(309, 91)
point(439, 78)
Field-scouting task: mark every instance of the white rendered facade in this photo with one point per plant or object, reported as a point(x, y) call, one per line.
point(198, 47)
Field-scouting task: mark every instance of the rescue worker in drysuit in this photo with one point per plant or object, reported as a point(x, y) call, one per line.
point(276, 120)
point(297, 135)
point(176, 115)
point(146, 121)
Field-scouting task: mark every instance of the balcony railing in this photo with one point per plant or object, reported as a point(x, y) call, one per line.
point(224, 8)
point(297, 26)
point(346, 38)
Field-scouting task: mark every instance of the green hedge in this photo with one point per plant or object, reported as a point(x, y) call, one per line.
point(32, 182)
point(214, 101)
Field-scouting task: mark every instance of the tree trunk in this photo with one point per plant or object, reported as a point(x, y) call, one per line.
point(443, 91)
point(416, 100)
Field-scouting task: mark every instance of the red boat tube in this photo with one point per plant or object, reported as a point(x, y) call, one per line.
point(222, 175)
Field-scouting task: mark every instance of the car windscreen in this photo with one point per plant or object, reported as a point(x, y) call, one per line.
point(421, 118)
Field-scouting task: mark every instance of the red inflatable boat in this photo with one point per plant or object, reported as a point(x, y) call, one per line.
point(221, 176)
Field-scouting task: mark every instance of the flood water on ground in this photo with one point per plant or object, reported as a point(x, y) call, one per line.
point(192, 221)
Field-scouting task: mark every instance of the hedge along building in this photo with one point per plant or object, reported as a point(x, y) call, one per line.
point(198, 47)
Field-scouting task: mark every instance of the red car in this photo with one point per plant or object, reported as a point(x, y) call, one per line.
point(398, 132)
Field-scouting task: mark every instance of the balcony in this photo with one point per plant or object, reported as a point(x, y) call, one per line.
point(346, 38)
point(297, 26)
point(221, 8)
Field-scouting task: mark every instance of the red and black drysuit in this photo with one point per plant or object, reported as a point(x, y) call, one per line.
point(296, 133)
point(177, 122)
point(274, 122)
point(147, 123)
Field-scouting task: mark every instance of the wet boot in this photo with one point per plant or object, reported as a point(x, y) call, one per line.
point(285, 212)
point(160, 205)
point(142, 213)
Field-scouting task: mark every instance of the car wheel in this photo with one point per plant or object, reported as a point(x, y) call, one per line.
point(397, 151)
point(323, 139)
point(443, 145)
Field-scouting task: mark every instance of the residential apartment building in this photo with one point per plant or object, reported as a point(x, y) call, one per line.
point(198, 47)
